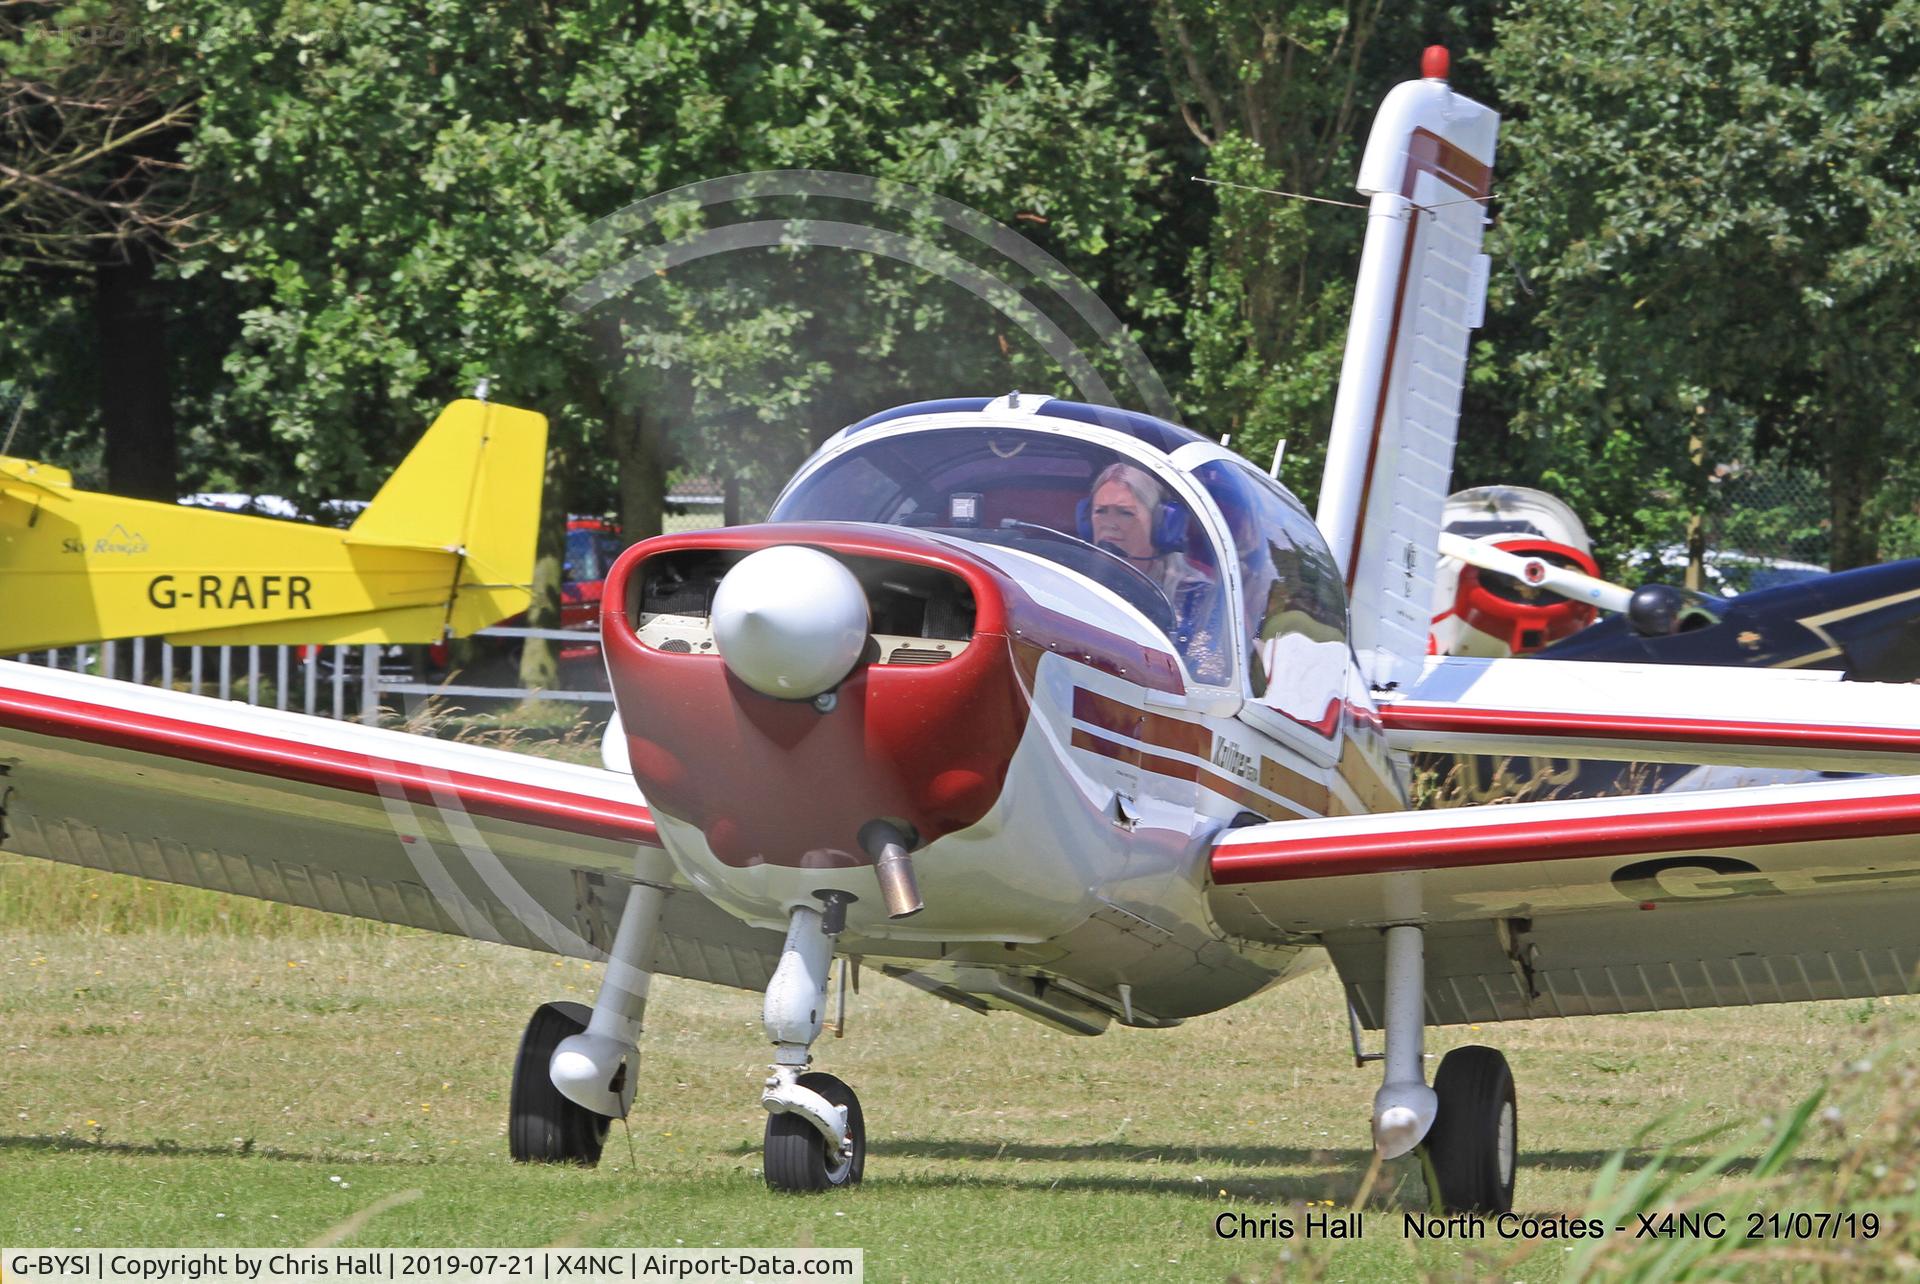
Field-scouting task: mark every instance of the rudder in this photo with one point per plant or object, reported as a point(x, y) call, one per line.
point(471, 487)
point(1427, 172)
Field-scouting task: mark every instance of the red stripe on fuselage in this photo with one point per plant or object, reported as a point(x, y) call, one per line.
point(1123, 719)
point(1042, 632)
point(1567, 838)
point(261, 755)
point(1206, 777)
point(1304, 795)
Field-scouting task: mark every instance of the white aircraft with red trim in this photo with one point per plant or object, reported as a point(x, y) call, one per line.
point(1068, 711)
point(1516, 573)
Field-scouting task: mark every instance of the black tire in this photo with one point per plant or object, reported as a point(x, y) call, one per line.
point(795, 1156)
point(1474, 1143)
point(544, 1127)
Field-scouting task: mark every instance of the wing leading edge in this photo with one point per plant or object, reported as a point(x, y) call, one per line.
point(353, 820)
point(1813, 720)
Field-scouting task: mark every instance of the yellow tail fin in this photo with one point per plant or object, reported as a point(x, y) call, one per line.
point(472, 488)
point(448, 543)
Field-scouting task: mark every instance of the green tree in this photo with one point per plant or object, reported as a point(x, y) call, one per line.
point(391, 177)
point(1280, 95)
point(92, 196)
point(1716, 205)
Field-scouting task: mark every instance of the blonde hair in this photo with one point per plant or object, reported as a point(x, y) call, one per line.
point(1145, 487)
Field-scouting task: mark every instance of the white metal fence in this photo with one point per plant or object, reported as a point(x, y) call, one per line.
point(330, 682)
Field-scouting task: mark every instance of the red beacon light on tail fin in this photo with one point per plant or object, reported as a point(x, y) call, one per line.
point(1434, 62)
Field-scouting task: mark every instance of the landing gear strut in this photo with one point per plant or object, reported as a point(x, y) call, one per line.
point(578, 1067)
point(1465, 1124)
point(816, 1137)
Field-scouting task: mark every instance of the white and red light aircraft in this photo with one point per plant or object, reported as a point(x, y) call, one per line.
point(1064, 710)
point(1516, 573)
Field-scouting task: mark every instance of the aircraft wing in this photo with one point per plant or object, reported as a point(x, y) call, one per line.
point(1595, 905)
point(1808, 719)
point(350, 819)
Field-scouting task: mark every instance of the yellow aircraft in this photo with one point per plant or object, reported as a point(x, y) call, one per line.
point(445, 547)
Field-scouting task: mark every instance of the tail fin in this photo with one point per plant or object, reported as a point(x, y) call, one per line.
point(1422, 288)
point(471, 488)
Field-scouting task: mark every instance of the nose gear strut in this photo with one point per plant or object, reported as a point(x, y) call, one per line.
point(816, 1135)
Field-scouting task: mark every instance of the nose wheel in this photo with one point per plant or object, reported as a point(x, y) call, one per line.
point(799, 1157)
point(816, 1138)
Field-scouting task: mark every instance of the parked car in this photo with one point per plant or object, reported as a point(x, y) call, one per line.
point(1728, 572)
point(592, 544)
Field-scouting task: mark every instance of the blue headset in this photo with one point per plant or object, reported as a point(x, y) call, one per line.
point(1169, 525)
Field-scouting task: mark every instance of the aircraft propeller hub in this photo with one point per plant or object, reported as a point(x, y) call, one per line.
point(790, 622)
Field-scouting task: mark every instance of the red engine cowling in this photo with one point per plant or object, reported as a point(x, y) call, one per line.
point(920, 733)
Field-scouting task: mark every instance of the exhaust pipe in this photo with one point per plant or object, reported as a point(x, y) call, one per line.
point(888, 848)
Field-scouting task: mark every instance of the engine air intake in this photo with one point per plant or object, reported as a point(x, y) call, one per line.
point(919, 615)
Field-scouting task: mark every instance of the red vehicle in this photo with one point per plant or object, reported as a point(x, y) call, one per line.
point(592, 544)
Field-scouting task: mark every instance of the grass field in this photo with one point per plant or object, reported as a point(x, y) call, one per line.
point(182, 1069)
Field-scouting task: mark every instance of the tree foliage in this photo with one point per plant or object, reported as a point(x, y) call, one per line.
point(1717, 207)
point(1706, 229)
point(1280, 94)
point(90, 106)
point(394, 177)
point(93, 108)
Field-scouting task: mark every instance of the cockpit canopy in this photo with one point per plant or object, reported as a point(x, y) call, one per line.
point(1514, 512)
point(1048, 494)
point(1156, 434)
point(1184, 549)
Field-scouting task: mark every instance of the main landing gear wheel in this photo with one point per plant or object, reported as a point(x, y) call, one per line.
point(1472, 1145)
point(543, 1127)
point(795, 1156)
